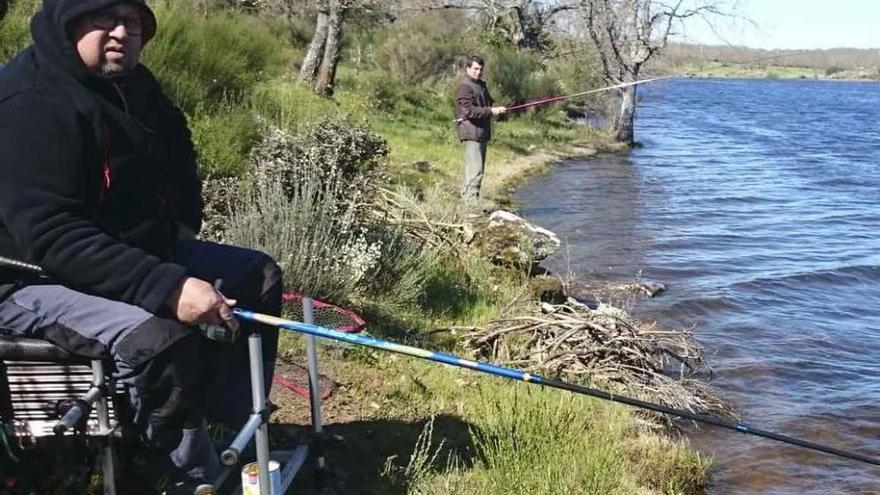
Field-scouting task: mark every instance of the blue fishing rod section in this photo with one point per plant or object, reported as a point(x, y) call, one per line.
point(450, 359)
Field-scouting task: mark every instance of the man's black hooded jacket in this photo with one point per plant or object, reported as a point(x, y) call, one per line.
point(96, 174)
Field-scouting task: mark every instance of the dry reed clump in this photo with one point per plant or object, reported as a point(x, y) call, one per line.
point(433, 217)
point(603, 347)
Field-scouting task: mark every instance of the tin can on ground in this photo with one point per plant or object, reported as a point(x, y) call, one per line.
point(250, 479)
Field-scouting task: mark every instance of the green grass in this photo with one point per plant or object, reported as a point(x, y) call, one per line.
point(718, 69)
point(524, 439)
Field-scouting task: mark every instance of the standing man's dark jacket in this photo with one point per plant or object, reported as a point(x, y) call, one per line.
point(473, 108)
point(96, 175)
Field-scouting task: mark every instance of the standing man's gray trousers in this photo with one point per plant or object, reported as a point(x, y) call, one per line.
point(176, 379)
point(474, 168)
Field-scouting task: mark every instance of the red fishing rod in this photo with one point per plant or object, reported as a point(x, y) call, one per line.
point(554, 99)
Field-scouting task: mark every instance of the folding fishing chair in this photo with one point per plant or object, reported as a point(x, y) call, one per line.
point(45, 391)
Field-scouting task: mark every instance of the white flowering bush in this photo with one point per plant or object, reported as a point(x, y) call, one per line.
point(307, 204)
point(339, 150)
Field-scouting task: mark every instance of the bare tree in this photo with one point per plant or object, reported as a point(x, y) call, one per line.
point(628, 33)
point(332, 48)
point(322, 57)
point(523, 23)
point(308, 71)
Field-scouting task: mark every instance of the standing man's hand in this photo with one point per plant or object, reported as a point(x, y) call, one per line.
point(498, 110)
point(196, 301)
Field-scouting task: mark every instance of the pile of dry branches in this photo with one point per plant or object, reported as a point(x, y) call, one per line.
point(604, 347)
point(428, 221)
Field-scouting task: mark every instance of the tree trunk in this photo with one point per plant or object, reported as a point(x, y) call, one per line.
point(623, 126)
point(332, 50)
point(309, 70)
point(518, 36)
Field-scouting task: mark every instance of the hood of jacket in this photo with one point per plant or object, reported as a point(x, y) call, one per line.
point(49, 29)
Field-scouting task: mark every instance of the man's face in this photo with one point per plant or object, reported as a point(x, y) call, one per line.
point(474, 70)
point(109, 40)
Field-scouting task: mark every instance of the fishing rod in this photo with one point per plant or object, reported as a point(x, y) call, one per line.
point(554, 99)
point(510, 373)
point(513, 374)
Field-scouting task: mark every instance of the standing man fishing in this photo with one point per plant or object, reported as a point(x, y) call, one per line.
point(99, 187)
point(474, 111)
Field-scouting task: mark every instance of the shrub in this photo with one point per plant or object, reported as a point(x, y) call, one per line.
point(299, 211)
point(336, 145)
point(308, 207)
point(380, 92)
point(211, 60)
point(398, 278)
point(310, 229)
point(224, 139)
point(15, 28)
point(431, 54)
point(220, 195)
point(518, 76)
point(576, 69)
point(310, 199)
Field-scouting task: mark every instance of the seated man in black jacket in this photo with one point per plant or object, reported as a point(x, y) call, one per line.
point(98, 186)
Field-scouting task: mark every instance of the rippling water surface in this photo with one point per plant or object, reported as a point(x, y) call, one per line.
point(758, 204)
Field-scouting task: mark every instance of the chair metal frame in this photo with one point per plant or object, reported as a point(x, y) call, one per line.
point(255, 429)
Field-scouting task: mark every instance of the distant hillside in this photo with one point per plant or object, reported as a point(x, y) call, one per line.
point(836, 63)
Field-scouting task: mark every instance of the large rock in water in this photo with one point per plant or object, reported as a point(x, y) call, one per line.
point(508, 239)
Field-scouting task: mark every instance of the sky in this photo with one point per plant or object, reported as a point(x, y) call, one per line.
point(793, 24)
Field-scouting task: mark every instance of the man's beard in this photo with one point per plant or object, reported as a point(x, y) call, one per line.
point(114, 70)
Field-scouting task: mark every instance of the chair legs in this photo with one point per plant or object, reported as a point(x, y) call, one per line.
point(102, 409)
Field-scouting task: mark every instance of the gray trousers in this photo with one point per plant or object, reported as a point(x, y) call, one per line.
point(175, 378)
point(474, 168)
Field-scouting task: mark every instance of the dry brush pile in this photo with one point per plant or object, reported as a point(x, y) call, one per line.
point(605, 348)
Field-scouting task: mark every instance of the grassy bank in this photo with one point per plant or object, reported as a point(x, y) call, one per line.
point(408, 427)
point(763, 71)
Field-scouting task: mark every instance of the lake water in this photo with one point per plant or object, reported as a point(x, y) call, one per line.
point(757, 202)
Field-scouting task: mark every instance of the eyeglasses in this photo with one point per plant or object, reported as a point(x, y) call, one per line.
point(109, 21)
